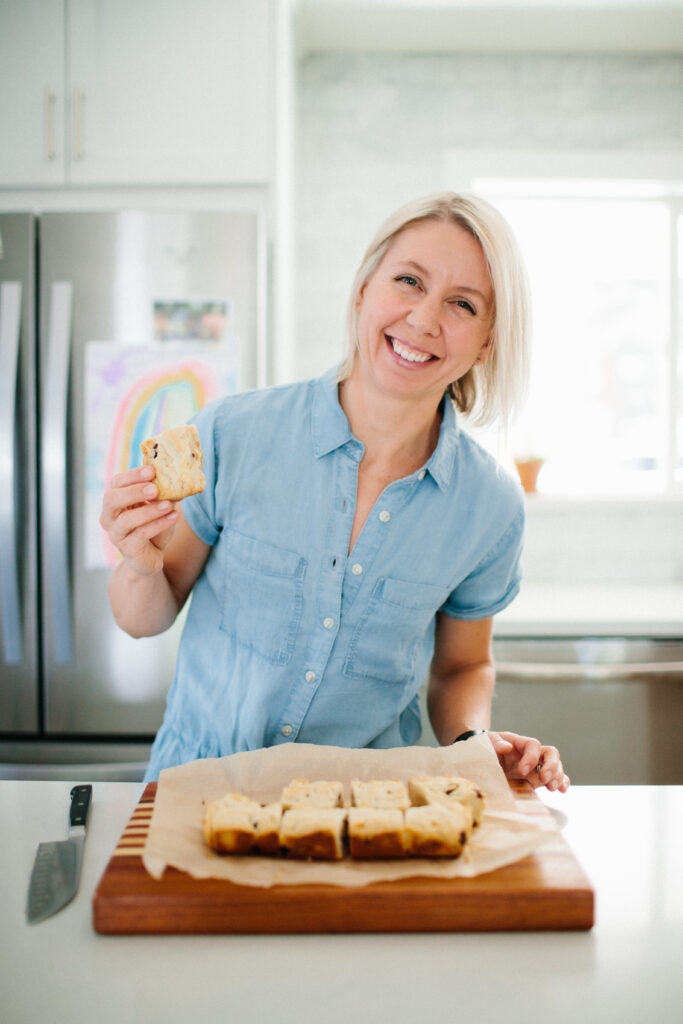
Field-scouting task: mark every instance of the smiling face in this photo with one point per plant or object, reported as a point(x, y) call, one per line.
point(425, 314)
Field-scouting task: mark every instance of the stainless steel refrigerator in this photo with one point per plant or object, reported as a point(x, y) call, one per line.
point(112, 325)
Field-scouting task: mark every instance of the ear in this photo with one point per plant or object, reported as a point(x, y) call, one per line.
point(484, 352)
point(359, 298)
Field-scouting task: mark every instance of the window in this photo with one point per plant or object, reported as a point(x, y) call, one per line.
point(605, 261)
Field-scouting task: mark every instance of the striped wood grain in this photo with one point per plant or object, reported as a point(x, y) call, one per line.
point(547, 891)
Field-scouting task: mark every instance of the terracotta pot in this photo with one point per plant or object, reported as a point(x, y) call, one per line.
point(528, 470)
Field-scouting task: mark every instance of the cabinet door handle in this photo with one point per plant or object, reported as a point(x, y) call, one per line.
point(49, 107)
point(79, 123)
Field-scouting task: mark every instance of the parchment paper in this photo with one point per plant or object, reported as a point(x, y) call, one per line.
point(175, 835)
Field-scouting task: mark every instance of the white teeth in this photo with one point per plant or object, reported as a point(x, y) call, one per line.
point(409, 354)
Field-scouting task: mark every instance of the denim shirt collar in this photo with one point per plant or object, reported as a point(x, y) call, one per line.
point(330, 430)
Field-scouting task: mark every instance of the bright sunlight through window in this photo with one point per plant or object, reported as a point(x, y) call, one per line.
point(605, 408)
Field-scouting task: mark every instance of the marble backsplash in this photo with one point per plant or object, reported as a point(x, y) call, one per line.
point(634, 542)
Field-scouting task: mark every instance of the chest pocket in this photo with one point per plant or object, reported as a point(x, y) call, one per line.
point(263, 595)
point(387, 640)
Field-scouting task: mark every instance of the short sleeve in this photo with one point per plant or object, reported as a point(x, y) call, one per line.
point(496, 580)
point(200, 509)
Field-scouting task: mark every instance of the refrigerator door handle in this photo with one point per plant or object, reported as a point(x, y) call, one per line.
point(54, 465)
point(10, 336)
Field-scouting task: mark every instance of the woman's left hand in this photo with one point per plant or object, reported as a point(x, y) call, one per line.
point(522, 757)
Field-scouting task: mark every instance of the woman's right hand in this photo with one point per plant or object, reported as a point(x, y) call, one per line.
point(137, 524)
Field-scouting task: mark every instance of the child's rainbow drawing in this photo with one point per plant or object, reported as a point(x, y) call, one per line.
point(135, 392)
point(159, 400)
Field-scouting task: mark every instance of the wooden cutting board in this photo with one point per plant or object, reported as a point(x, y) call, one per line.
point(547, 891)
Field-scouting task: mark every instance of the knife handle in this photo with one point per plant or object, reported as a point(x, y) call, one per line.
point(80, 804)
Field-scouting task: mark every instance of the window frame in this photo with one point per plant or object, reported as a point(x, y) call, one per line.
point(604, 175)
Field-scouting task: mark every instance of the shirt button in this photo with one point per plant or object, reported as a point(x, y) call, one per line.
point(422, 474)
point(310, 677)
point(287, 730)
point(385, 516)
point(328, 623)
point(357, 569)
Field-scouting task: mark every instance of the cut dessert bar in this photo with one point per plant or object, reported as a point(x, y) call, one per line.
point(436, 831)
point(376, 832)
point(384, 793)
point(447, 790)
point(177, 459)
point(236, 824)
point(316, 832)
point(304, 793)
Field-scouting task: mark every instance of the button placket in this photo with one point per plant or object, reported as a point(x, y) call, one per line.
point(329, 600)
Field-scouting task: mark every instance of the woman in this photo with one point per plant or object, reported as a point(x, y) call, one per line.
point(352, 538)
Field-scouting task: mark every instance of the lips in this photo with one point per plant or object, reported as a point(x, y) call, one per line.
point(409, 354)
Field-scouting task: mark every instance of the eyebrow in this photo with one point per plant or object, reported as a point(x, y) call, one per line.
point(460, 287)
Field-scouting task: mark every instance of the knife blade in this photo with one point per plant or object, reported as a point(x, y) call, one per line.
point(57, 866)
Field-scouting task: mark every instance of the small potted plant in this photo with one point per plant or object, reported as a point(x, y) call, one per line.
point(528, 468)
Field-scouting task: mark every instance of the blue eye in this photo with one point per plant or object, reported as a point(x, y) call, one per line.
point(412, 281)
point(464, 304)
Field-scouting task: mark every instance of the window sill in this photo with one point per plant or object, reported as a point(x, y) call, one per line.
point(547, 503)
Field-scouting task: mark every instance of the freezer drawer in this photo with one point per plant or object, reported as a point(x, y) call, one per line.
point(85, 761)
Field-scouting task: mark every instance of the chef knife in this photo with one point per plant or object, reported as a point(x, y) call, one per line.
point(57, 867)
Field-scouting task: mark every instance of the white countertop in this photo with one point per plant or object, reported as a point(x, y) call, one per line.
point(594, 609)
point(628, 839)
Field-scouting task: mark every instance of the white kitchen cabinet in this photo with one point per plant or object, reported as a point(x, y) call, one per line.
point(32, 85)
point(123, 92)
point(169, 91)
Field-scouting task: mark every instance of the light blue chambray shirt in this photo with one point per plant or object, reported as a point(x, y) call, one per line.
point(290, 638)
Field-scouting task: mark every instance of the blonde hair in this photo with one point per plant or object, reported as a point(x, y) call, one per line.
point(494, 390)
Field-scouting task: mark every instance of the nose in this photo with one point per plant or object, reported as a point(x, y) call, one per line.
point(424, 315)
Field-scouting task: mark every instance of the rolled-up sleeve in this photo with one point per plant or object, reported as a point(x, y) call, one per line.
point(200, 509)
point(495, 581)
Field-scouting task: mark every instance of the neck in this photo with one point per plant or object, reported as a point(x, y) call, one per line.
point(391, 429)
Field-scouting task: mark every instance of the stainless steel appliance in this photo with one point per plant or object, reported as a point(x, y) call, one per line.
point(84, 350)
point(611, 705)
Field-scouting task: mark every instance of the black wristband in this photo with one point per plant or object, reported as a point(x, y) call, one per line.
point(466, 735)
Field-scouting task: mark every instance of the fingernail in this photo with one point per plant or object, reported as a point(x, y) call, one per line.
point(150, 490)
point(146, 472)
point(163, 505)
